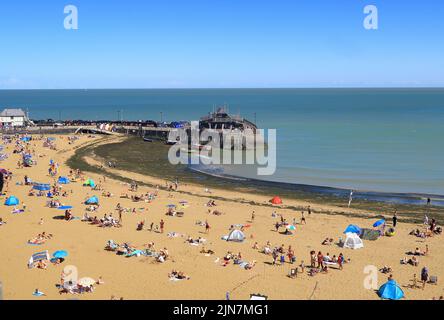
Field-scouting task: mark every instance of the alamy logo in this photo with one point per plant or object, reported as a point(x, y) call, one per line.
point(371, 20)
point(224, 146)
point(371, 278)
point(71, 21)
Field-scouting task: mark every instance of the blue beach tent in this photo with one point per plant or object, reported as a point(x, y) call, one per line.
point(63, 180)
point(353, 229)
point(390, 290)
point(42, 187)
point(90, 183)
point(12, 201)
point(92, 200)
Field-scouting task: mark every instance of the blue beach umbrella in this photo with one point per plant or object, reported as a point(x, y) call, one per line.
point(353, 229)
point(171, 206)
point(378, 223)
point(390, 290)
point(64, 207)
point(60, 254)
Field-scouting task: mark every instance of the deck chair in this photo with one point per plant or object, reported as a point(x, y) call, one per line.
point(433, 280)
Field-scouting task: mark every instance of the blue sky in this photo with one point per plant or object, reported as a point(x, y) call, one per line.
point(221, 43)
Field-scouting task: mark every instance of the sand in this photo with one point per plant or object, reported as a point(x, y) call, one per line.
point(142, 278)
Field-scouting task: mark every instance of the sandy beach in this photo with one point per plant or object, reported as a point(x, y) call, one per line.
point(144, 278)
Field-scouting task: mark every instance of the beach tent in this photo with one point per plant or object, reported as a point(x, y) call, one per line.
point(352, 229)
point(236, 236)
point(63, 180)
point(390, 290)
point(92, 200)
point(41, 187)
point(12, 201)
point(353, 241)
point(90, 183)
point(276, 200)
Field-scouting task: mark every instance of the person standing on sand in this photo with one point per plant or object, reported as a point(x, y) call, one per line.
point(320, 260)
point(424, 276)
point(252, 216)
point(207, 226)
point(340, 260)
point(1, 182)
point(395, 220)
point(162, 225)
point(276, 226)
point(309, 210)
point(303, 218)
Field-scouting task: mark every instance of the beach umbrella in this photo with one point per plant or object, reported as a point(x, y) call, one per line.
point(291, 227)
point(171, 206)
point(378, 223)
point(183, 202)
point(4, 171)
point(60, 254)
point(42, 187)
point(353, 229)
point(64, 207)
point(390, 290)
point(86, 282)
point(12, 201)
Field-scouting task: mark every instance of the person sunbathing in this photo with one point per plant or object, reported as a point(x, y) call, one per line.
point(178, 275)
point(386, 269)
point(327, 242)
point(418, 252)
point(414, 261)
point(68, 215)
point(327, 258)
point(42, 265)
point(250, 265)
point(140, 225)
point(2, 222)
point(204, 251)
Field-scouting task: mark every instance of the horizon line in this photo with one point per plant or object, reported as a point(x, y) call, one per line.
point(223, 88)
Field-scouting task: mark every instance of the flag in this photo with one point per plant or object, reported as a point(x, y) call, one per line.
point(350, 199)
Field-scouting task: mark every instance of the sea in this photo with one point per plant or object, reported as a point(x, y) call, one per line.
point(373, 140)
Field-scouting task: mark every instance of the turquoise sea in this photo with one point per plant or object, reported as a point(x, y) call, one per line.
point(384, 140)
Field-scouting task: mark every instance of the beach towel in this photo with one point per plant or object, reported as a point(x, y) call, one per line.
point(134, 253)
point(38, 294)
point(36, 242)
